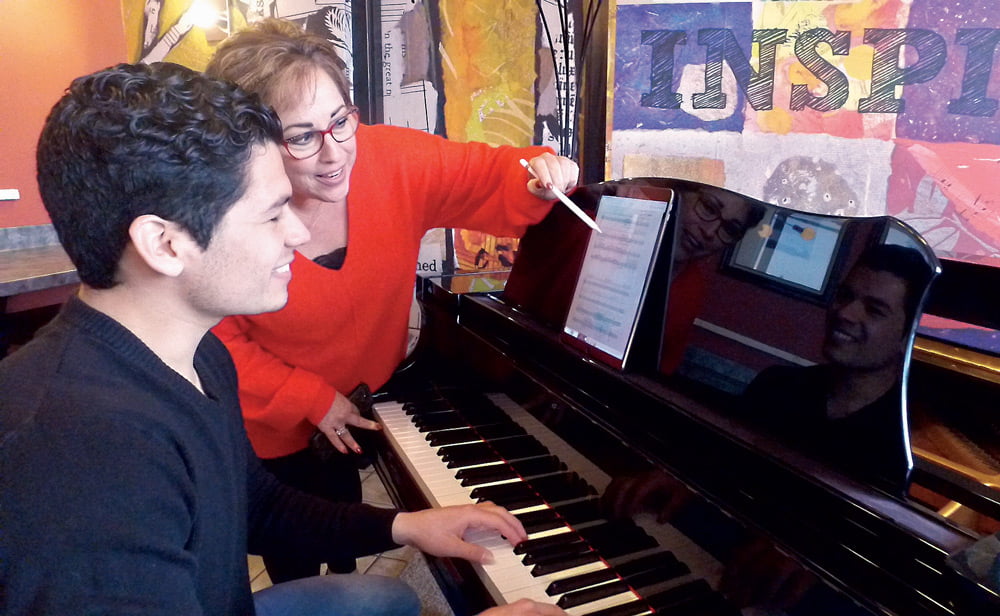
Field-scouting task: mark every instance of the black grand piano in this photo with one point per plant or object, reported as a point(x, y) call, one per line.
point(657, 442)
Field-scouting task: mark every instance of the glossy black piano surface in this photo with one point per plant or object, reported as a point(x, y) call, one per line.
point(734, 329)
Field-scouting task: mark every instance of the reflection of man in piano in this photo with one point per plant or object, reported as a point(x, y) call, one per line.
point(711, 219)
point(867, 332)
point(849, 410)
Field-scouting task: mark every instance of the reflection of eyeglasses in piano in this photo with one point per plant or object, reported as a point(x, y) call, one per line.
point(308, 144)
point(729, 231)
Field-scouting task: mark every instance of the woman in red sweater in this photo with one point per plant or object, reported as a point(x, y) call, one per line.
point(367, 194)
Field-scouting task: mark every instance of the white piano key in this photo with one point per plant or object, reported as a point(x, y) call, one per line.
point(512, 578)
point(602, 604)
point(507, 578)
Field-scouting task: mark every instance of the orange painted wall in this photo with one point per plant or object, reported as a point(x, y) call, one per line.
point(45, 44)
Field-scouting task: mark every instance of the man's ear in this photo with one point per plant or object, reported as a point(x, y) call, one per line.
point(163, 245)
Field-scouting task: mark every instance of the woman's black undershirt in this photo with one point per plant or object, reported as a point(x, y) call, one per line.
point(332, 260)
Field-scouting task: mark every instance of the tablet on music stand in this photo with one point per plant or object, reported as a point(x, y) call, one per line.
point(615, 277)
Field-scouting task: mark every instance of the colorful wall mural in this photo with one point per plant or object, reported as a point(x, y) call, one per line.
point(858, 107)
point(472, 71)
point(186, 31)
point(502, 73)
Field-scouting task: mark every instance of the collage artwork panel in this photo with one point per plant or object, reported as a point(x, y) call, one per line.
point(854, 107)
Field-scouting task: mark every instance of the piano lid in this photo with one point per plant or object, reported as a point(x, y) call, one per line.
point(795, 322)
point(692, 420)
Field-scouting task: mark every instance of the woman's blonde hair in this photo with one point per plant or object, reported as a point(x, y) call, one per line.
point(275, 59)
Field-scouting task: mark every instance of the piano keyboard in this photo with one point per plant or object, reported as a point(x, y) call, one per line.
point(489, 448)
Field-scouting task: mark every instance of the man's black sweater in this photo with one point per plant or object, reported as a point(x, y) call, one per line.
point(125, 490)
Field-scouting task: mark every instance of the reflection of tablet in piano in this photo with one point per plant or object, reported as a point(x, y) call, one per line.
point(611, 288)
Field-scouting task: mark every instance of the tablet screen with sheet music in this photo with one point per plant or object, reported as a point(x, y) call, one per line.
point(614, 277)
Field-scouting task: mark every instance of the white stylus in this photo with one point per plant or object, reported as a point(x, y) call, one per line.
point(566, 201)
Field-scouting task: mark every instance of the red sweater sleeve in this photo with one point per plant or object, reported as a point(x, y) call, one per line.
point(466, 185)
point(288, 392)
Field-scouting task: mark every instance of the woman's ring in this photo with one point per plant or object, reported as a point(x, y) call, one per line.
point(341, 431)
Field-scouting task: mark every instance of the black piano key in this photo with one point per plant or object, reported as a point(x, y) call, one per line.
point(439, 421)
point(530, 517)
point(427, 406)
point(471, 458)
point(581, 511)
point(511, 496)
point(537, 521)
point(557, 557)
point(632, 608)
point(527, 467)
point(628, 545)
point(479, 475)
point(441, 438)
point(481, 414)
point(463, 396)
point(646, 563)
point(614, 530)
point(506, 448)
point(566, 563)
point(531, 544)
point(551, 553)
point(504, 491)
point(471, 462)
point(538, 465)
point(614, 539)
point(500, 429)
point(577, 582)
point(466, 398)
point(519, 447)
point(538, 526)
point(677, 597)
point(668, 571)
point(562, 486)
point(552, 488)
point(473, 453)
point(586, 595)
